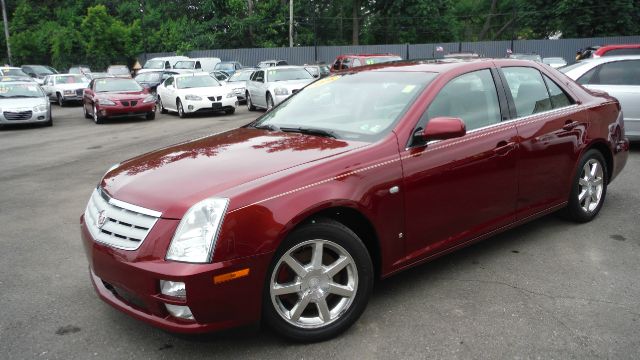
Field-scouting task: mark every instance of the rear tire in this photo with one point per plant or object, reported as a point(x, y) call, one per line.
point(84, 109)
point(589, 187)
point(312, 298)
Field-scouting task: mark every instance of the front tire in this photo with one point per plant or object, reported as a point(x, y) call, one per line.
point(319, 282)
point(60, 100)
point(250, 103)
point(589, 187)
point(269, 102)
point(162, 109)
point(96, 116)
point(230, 111)
point(84, 109)
point(181, 112)
point(151, 115)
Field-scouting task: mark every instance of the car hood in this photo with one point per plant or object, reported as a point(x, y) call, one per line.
point(21, 103)
point(122, 95)
point(172, 179)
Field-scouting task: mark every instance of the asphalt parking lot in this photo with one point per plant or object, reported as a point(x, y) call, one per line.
point(549, 289)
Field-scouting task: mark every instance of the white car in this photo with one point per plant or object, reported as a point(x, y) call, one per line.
point(23, 102)
point(65, 87)
point(196, 65)
point(619, 76)
point(195, 93)
point(268, 87)
point(161, 63)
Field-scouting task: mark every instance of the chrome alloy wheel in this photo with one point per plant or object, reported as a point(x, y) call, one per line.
point(591, 185)
point(313, 284)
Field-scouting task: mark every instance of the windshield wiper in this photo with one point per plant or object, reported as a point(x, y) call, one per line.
point(267, 127)
point(310, 131)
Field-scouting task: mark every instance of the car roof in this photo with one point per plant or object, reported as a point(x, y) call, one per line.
point(604, 59)
point(429, 65)
point(369, 55)
point(605, 48)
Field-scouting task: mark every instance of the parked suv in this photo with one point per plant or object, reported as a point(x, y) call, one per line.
point(348, 61)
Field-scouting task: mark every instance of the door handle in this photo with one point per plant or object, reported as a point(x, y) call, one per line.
point(504, 147)
point(570, 125)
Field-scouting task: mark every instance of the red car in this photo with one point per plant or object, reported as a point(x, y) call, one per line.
point(108, 98)
point(291, 218)
point(617, 50)
point(349, 61)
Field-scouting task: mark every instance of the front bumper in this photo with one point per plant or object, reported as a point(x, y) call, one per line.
point(207, 105)
point(22, 117)
point(129, 281)
point(117, 111)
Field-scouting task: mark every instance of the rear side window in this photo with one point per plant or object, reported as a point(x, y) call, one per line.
point(337, 64)
point(356, 62)
point(471, 97)
point(346, 63)
point(528, 90)
point(558, 97)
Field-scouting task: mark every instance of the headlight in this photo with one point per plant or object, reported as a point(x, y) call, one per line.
point(196, 235)
point(281, 91)
point(69, 92)
point(106, 102)
point(149, 99)
point(231, 94)
point(193, 97)
point(40, 108)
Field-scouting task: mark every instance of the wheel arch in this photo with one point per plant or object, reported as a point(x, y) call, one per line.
point(602, 147)
point(349, 215)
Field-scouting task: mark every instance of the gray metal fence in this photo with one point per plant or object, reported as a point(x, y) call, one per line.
point(565, 48)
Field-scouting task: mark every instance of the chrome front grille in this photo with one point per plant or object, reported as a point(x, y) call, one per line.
point(20, 115)
point(116, 223)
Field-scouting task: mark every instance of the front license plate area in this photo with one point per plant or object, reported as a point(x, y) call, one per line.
point(216, 105)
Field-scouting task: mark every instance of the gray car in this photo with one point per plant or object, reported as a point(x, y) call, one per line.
point(620, 77)
point(268, 87)
point(65, 88)
point(23, 102)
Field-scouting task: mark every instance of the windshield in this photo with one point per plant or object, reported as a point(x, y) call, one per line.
point(288, 74)
point(154, 64)
point(568, 68)
point(153, 76)
point(184, 65)
point(118, 70)
point(343, 104)
point(196, 82)
point(71, 79)
point(225, 66)
point(13, 72)
point(381, 59)
point(526, 57)
point(42, 70)
point(116, 85)
point(79, 70)
point(20, 91)
point(240, 76)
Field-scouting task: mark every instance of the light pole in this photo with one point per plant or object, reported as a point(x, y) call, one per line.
point(290, 23)
point(6, 30)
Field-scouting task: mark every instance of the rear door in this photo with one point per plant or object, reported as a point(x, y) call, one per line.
point(461, 188)
point(550, 127)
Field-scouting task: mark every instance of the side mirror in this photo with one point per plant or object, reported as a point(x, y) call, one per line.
point(442, 128)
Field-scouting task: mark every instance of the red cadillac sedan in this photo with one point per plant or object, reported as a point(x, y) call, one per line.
point(360, 175)
point(112, 97)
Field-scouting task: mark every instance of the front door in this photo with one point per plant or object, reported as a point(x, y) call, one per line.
point(458, 189)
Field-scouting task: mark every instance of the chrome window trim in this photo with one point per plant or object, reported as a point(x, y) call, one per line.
point(127, 206)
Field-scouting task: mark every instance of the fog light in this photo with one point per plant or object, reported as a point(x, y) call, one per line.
point(190, 107)
point(181, 312)
point(173, 288)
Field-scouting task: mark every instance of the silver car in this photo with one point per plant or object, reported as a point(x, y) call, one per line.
point(268, 87)
point(65, 87)
point(23, 102)
point(620, 77)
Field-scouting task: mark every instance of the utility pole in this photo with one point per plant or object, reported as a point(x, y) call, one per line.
point(290, 23)
point(6, 30)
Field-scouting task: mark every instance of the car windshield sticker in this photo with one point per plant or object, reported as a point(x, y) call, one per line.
point(409, 88)
point(324, 81)
point(369, 61)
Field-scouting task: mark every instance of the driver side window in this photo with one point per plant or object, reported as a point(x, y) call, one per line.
point(168, 82)
point(471, 97)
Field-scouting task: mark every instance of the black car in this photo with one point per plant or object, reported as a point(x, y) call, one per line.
point(152, 79)
point(38, 71)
